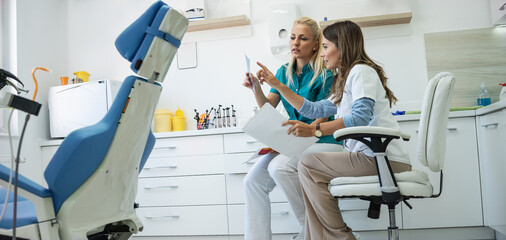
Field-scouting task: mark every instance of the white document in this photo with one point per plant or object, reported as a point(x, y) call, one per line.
point(266, 128)
point(248, 67)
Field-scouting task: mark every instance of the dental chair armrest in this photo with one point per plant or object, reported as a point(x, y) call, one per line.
point(369, 131)
point(24, 184)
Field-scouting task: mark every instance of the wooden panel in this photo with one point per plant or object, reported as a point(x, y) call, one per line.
point(373, 21)
point(474, 56)
point(216, 23)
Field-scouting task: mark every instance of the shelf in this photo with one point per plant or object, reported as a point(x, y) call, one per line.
point(216, 23)
point(373, 21)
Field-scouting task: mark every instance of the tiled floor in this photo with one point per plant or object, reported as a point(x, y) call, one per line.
point(471, 233)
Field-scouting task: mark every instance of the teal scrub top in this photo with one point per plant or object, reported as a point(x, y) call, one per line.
point(313, 93)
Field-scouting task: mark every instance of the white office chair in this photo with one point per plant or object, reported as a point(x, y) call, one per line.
point(390, 189)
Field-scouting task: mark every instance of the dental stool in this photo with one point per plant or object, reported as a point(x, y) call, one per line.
point(92, 177)
point(391, 189)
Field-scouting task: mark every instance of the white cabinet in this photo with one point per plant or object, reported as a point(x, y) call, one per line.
point(498, 12)
point(460, 202)
point(492, 144)
point(182, 188)
point(193, 185)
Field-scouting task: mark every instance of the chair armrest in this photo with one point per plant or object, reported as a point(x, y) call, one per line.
point(369, 131)
point(24, 183)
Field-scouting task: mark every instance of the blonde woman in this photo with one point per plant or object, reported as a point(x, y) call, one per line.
point(307, 77)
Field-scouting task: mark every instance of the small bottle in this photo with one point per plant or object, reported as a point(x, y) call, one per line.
point(483, 99)
point(502, 95)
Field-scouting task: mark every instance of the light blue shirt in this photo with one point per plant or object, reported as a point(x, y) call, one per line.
point(361, 111)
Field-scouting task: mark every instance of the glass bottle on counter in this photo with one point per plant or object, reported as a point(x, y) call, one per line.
point(484, 98)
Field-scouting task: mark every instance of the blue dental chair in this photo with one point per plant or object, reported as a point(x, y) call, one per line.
point(92, 178)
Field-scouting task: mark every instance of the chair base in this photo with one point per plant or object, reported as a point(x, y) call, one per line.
point(112, 232)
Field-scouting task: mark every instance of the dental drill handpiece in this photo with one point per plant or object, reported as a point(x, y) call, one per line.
point(234, 118)
point(228, 117)
point(207, 118)
point(196, 117)
point(224, 119)
point(219, 116)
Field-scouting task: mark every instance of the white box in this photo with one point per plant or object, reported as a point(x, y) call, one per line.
point(195, 10)
point(79, 105)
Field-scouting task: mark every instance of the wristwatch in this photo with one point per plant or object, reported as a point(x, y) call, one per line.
point(318, 133)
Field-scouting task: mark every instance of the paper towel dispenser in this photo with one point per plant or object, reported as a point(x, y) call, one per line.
point(281, 18)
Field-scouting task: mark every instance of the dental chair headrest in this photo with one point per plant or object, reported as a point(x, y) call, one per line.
point(151, 42)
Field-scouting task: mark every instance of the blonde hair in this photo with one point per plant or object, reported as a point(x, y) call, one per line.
point(316, 61)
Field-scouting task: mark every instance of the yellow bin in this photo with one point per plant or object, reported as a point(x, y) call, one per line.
point(163, 121)
point(179, 121)
point(82, 75)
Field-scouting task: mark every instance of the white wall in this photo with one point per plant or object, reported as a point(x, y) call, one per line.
point(41, 31)
point(218, 77)
point(75, 35)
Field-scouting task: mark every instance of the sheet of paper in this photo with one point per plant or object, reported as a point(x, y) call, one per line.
point(248, 68)
point(266, 127)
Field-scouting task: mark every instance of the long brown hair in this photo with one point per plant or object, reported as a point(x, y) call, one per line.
point(348, 38)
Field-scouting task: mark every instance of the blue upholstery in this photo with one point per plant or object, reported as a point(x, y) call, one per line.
point(133, 43)
point(23, 183)
point(25, 214)
point(83, 150)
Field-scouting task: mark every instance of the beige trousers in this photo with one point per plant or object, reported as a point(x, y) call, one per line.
point(323, 217)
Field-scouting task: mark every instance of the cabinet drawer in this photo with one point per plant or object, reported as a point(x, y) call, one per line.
point(235, 163)
point(174, 221)
point(282, 219)
point(183, 165)
point(182, 146)
point(241, 142)
point(235, 190)
point(171, 191)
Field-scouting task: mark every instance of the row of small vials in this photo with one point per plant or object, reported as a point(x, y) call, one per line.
point(220, 117)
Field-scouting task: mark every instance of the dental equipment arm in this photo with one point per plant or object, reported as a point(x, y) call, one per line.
point(10, 100)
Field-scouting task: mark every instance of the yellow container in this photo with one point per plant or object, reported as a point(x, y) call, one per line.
point(163, 122)
point(179, 121)
point(82, 75)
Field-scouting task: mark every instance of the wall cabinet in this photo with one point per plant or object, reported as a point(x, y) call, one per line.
point(498, 12)
point(460, 202)
point(492, 145)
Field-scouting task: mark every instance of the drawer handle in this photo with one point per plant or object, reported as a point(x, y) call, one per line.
point(251, 141)
point(282, 213)
point(169, 147)
point(448, 129)
point(161, 167)
point(161, 217)
point(490, 125)
point(161, 187)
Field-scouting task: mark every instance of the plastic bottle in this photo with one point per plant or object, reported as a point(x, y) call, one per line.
point(502, 96)
point(483, 99)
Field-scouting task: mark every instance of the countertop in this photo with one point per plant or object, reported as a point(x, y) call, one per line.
point(401, 118)
point(491, 108)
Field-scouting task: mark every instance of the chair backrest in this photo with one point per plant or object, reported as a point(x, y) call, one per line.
point(433, 121)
